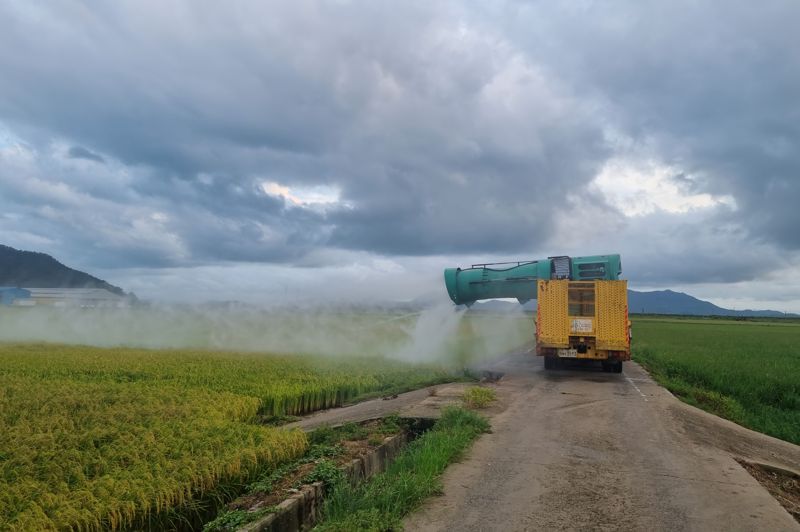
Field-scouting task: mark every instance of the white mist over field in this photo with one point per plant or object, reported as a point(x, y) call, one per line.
point(441, 333)
point(433, 330)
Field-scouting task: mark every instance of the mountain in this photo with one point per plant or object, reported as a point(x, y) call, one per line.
point(657, 302)
point(669, 302)
point(30, 269)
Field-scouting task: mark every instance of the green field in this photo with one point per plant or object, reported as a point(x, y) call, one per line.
point(99, 439)
point(745, 371)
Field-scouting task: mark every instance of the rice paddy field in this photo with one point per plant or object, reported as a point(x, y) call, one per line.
point(159, 436)
point(745, 371)
point(108, 438)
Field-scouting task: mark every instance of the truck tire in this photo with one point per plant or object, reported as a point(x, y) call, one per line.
point(549, 363)
point(617, 367)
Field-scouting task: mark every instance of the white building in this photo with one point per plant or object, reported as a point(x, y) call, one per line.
point(76, 297)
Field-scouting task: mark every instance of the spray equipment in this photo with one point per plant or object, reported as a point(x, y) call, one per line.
point(518, 280)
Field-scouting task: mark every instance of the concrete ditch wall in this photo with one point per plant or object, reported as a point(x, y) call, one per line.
point(301, 511)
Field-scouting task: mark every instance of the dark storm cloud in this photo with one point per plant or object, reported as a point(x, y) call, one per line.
point(715, 88)
point(493, 200)
point(444, 127)
point(424, 126)
point(78, 152)
point(668, 249)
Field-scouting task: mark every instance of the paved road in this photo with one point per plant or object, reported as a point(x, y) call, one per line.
point(586, 450)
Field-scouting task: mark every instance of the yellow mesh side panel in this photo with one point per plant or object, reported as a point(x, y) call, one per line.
point(553, 322)
point(612, 315)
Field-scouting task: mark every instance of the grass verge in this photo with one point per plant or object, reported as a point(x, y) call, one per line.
point(381, 503)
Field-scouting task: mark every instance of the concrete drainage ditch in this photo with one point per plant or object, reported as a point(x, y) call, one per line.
point(300, 511)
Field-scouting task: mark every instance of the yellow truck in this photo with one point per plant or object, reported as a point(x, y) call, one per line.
point(582, 311)
point(583, 320)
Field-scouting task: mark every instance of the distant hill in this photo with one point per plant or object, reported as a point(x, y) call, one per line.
point(30, 269)
point(669, 302)
point(657, 302)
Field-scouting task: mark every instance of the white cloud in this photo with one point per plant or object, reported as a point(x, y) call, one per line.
point(640, 188)
point(303, 196)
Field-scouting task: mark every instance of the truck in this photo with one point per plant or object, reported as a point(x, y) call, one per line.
point(582, 304)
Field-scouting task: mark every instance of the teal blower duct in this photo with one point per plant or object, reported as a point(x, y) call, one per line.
point(517, 280)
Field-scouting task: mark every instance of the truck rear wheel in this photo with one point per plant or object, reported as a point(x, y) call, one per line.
point(549, 362)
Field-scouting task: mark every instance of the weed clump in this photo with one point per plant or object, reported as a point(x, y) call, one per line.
point(479, 397)
point(236, 519)
point(325, 471)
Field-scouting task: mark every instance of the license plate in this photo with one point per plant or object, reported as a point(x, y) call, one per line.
point(581, 325)
point(568, 353)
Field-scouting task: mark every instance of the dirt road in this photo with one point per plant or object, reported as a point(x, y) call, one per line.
point(586, 450)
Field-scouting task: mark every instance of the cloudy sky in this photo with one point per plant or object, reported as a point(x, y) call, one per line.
point(345, 150)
